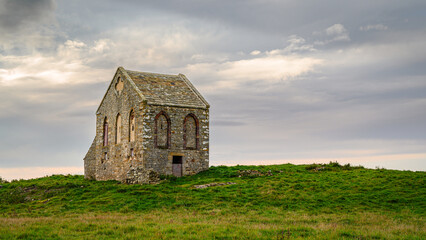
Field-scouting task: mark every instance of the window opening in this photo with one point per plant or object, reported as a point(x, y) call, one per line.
point(118, 130)
point(177, 159)
point(190, 132)
point(105, 132)
point(132, 123)
point(162, 130)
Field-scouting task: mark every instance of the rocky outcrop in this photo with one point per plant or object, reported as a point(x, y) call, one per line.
point(213, 185)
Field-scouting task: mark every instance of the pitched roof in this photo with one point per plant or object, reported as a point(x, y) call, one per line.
point(164, 89)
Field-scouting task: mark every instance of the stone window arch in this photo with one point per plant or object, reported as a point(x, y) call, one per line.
point(132, 126)
point(118, 129)
point(105, 132)
point(162, 130)
point(191, 130)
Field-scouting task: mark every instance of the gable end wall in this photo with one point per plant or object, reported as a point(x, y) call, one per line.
point(118, 161)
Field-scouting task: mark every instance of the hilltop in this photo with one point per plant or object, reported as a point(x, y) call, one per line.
point(250, 202)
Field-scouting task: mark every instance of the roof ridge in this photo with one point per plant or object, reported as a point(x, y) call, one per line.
point(151, 73)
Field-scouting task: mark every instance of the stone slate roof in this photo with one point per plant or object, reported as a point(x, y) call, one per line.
point(164, 89)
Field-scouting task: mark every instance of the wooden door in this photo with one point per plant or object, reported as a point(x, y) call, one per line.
point(177, 166)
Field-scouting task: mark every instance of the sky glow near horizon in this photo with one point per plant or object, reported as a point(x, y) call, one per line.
point(288, 81)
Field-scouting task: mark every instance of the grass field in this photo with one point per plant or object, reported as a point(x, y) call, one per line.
point(267, 202)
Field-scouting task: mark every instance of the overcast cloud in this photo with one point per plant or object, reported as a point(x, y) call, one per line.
point(288, 81)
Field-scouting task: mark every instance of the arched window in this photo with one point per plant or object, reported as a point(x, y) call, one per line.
point(162, 130)
point(132, 126)
point(190, 132)
point(105, 135)
point(118, 129)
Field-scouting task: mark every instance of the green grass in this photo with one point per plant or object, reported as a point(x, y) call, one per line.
point(283, 202)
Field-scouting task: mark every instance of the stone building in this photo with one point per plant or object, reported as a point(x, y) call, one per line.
point(149, 123)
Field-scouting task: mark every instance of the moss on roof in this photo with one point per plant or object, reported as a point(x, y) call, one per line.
point(164, 89)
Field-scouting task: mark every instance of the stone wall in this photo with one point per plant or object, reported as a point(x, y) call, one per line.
point(140, 175)
point(90, 161)
point(160, 159)
point(114, 160)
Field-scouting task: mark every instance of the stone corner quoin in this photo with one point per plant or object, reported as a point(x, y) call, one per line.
point(147, 125)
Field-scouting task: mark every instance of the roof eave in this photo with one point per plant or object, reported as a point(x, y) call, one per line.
point(176, 105)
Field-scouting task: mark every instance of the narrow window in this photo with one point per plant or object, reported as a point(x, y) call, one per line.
point(105, 132)
point(162, 130)
point(132, 126)
point(118, 129)
point(190, 132)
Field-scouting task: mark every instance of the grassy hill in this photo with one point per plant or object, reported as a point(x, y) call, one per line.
point(266, 202)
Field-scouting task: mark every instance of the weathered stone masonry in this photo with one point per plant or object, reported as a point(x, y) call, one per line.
point(149, 124)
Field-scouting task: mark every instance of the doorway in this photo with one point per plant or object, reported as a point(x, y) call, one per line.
point(177, 166)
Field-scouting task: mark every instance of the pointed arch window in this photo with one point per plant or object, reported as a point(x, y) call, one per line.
point(162, 130)
point(118, 129)
point(132, 126)
point(105, 132)
point(191, 132)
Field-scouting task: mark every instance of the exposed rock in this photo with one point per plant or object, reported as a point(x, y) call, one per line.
point(254, 173)
point(213, 185)
point(318, 169)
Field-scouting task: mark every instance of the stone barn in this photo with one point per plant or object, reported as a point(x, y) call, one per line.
point(149, 124)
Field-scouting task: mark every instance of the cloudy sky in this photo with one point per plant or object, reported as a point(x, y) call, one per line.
point(288, 81)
